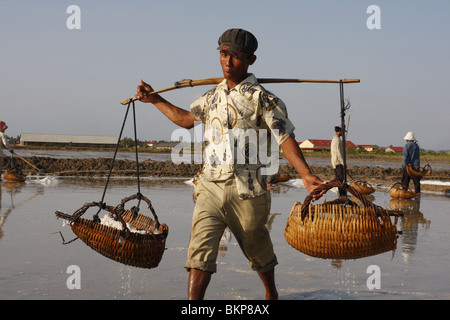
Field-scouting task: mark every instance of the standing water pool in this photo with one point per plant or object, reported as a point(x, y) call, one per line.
point(34, 264)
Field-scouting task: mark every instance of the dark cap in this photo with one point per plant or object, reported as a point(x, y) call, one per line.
point(238, 39)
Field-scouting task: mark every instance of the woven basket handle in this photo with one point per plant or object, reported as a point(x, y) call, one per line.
point(77, 214)
point(146, 200)
point(327, 186)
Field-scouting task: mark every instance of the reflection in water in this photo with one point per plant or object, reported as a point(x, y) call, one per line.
point(223, 244)
point(410, 224)
point(11, 188)
point(335, 263)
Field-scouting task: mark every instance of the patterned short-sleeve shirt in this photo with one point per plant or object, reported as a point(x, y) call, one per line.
point(235, 122)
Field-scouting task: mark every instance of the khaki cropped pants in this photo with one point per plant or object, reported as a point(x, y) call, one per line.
point(218, 206)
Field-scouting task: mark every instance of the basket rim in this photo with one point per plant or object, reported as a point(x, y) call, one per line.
point(162, 235)
point(331, 184)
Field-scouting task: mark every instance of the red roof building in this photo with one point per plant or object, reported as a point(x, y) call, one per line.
point(394, 149)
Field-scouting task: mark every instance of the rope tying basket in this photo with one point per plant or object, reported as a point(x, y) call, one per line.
point(139, 243)
point(341, 229)
point(415, 172)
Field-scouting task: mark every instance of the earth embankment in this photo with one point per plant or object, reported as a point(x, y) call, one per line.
point(384, 176)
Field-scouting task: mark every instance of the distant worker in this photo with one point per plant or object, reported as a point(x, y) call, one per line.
point(5, 143)
point(411, 155)
point(337, 158)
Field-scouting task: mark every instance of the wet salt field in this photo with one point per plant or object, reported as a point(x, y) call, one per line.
point(34, 263)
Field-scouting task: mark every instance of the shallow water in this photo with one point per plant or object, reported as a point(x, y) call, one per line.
point(34, 263)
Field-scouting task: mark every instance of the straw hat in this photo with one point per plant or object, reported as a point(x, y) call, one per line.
point(409, 136)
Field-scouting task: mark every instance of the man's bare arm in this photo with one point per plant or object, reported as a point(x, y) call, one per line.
point(179, 116)
point(295, 157)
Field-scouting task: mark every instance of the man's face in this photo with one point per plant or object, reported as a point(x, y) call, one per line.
point(3, 127)
point(235, 68)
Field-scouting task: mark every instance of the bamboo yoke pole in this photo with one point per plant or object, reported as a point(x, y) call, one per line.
point(212, 81)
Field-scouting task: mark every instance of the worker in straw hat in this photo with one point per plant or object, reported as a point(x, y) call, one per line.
point(411, 155)
point(5, 143)
point(229, 193)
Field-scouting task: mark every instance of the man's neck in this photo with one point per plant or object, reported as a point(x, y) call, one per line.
point(231, 83)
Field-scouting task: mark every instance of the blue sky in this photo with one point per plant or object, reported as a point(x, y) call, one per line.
point(56, 80)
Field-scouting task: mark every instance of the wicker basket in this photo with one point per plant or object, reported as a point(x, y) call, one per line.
point(143, 250)
point(15, 175)
point(398, 192)
point(420, 172)
point(341, 230)
point(363, 187)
